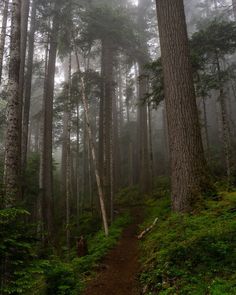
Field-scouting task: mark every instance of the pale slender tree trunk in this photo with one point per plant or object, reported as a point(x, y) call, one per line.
point(98, 179)
point(28, 85)
point(3, 35)
point(189, 173)
point(12, 147)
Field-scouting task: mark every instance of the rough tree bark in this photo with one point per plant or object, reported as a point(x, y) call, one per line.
point(68, 162)
point(47, 130)
point(24, 29)
point(28, 85)
point(189, 173)
point(12, 147)
point(3, 35)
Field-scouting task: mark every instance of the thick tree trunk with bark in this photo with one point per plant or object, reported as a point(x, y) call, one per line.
point(24, 30)
point(12, 147)
point(28, 85)
point(189, 173)
point(68, 162)
point(3, 36)
point(47, 130)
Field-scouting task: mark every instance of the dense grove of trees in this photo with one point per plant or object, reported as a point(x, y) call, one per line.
point(100, 95)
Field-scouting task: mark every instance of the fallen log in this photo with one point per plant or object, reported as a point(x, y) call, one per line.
point(147, 230)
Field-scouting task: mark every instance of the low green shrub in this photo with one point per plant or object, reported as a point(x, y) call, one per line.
point(191, 254)
point(24, 273)
point(17, 250)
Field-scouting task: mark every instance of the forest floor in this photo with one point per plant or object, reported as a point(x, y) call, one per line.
point(118, 273)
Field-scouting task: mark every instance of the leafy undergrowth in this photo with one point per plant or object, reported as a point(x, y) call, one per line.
point(31, 276)
point(191, 254)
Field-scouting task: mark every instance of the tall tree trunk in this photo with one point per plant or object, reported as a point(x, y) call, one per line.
point(144, 168)
point(188, 166)
point(24, 29)
point(150, 146)
point(115, 146)
point(3, 36)
point(101, 134)
point(205, 128)
point(47, 130)
point(93, 152)
point(41, 225)
point(166, 140)
point(225, 125)
point(85, 161)
point(28, 85)
point(68, 162)
point(12, 148)
point(108, 98)
point(77, 164)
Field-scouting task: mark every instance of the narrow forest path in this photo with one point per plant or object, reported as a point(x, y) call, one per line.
point(118, 275)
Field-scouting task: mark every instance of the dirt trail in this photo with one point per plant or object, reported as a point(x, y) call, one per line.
point(120, 267)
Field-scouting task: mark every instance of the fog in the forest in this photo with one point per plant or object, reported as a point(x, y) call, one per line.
point(103, 98)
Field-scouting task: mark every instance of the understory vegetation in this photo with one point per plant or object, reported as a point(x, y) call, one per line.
point(190, 253)
point(32, 274)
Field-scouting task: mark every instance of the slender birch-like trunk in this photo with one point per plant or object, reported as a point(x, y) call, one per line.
point(93, 152)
